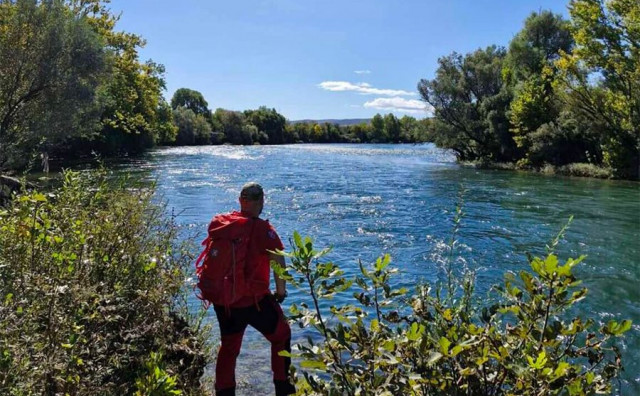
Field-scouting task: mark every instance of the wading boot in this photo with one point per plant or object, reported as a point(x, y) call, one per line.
point(284, 388)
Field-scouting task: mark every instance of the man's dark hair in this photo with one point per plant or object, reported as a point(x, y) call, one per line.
point(252, 191)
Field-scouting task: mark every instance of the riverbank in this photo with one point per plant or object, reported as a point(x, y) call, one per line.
point(572, 170)
point(92, 293)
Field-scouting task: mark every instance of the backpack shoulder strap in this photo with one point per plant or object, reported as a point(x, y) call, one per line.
point(207, 246)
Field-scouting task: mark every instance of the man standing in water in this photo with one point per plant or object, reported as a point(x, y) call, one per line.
point(252, 303)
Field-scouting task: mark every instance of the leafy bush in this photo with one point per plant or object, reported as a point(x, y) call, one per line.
point(585, 170)
point(563, 141)
point(443, 339)
point(91, 287)
point(578, 170)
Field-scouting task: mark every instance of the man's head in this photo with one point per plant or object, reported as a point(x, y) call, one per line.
point(252, 199)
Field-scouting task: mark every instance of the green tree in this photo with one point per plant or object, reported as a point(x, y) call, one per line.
point(603, 77)
point(132, 96)
point(415, 131)
point(167, 130)
point(408, 125)
point(291, 134)
point(470, 102)
point(304, 131)
point(392, 128)
point(543, 38)
point(192, 100)
point(192, 128)
point(333, 133)
point(565, 140)
point(361, 132)
point(531, 70)
point(235, 127)
point(318, 134)
point(377, 129)
point(131, 92)
point(51, 62)
point(268, 121)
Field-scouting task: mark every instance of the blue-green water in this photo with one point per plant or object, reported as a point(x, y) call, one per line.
point(365, 200)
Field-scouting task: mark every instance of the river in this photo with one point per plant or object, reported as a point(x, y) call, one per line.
point(366, 200)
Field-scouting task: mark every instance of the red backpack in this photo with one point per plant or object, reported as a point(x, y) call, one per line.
point(223, 276)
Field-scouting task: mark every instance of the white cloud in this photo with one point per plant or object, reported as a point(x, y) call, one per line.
point(362, 88)
point(362, 71)
point(398, 104)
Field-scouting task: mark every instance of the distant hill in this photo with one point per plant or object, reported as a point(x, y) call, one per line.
point(349, 121)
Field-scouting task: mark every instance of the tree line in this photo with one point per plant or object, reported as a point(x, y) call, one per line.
point(197, 125)
point(563, 92)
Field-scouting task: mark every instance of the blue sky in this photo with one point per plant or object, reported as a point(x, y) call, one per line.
point(316, 59)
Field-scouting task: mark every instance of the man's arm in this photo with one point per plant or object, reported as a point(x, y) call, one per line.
point(281, 285)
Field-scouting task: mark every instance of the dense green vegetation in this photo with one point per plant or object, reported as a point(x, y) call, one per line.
point(445, 339)
point(71, 84)
point(92, 294)
point(267, 126)
point(564, 92)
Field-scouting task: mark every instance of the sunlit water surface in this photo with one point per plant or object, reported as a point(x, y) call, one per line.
point(366, 200)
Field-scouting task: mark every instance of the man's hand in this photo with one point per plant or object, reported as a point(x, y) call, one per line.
point(281, 291)
point(280, 296)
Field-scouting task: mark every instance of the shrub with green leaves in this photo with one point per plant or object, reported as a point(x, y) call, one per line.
point(91, 294)
point(444, 339)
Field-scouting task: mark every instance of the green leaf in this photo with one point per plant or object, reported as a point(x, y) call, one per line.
point(561, 370)
point(456, 350)
point(375, 325)
point(540, 362)
point(551, 264)
point(389, 345)
point(514, 291)
point(616, 329)
point(297, 239)
point(313, 364)
point(39, 197)
point(433, 357)
point(578, 295)
point(444, 345)
point(415, 331)
point(624, 327)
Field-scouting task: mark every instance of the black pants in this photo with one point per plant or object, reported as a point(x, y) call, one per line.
point(268, 319)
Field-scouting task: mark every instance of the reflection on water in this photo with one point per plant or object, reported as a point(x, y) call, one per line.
point(366, 200)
